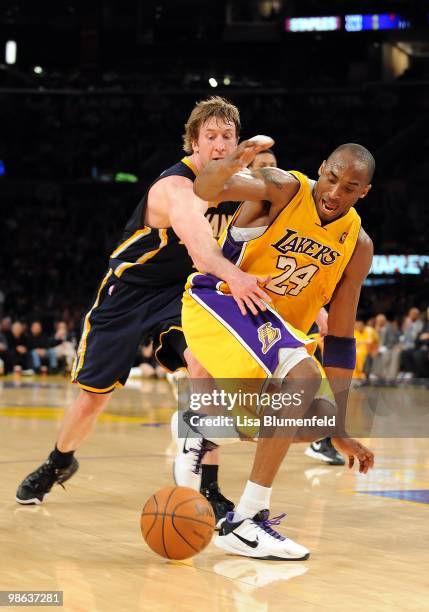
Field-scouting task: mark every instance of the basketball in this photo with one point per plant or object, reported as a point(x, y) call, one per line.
point(177, 522)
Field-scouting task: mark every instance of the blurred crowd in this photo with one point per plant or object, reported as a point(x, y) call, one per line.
point(31, 348)
point(28, 349)
point(388, 352)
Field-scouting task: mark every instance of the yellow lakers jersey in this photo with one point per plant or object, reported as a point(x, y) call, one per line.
point(304, 259)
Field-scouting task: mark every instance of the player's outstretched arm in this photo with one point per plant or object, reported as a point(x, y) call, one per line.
point(211, 183)
point(186, 213)
point(229, 178)
point(339, 346)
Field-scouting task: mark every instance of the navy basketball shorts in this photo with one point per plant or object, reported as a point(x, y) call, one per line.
point(122, 315)
point(169, 342)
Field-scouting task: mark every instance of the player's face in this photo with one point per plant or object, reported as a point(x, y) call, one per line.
point(342, 181)
point(264, 160)
point(216, 140)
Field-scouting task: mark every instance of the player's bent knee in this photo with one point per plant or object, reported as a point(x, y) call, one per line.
point(307, 374)
point(89, 403)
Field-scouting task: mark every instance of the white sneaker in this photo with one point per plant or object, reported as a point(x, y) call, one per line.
point(257, 539)
point(190, 453)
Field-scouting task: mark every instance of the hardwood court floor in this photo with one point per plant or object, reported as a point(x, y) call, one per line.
point(367, 550)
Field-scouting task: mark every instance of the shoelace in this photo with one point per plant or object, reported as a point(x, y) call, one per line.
point(45, 471)
point(199, 455)
point(48, 472)
point(205, 446)
point(265, 525)
point(45, 468)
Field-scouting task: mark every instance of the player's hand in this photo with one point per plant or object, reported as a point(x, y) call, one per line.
point(246, 152)
point(352, 448)
point(246, 290)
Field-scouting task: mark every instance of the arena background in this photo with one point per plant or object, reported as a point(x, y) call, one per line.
point(93, 99)
point(101, 90)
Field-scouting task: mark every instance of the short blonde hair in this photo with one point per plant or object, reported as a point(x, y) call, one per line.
point(202, 112)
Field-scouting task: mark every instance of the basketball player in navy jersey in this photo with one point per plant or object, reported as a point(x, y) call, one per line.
point(137, 297)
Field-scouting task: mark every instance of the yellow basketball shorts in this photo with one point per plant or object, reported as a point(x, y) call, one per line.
point(230, 345)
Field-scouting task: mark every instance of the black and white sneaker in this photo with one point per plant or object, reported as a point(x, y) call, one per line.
point(257, 539)
point(325, 451)
point(220, 504)
point(190, 453)
point(37, 485)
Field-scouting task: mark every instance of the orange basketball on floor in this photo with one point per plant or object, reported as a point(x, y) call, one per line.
point(177, 522)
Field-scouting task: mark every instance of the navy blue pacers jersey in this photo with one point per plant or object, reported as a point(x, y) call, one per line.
point(152, 256)
point(139, 297)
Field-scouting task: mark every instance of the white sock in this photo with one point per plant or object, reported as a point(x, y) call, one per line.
point(254, 499)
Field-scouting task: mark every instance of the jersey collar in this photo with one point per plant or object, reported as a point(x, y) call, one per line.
point(190, 165)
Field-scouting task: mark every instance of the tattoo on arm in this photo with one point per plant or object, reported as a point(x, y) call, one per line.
point(271, 175)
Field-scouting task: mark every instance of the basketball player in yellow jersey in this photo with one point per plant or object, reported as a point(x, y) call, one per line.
point(308, 238)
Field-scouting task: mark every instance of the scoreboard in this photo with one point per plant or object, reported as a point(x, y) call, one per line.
point(348, 23)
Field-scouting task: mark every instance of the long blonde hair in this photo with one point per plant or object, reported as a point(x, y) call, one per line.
point(215, 106)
